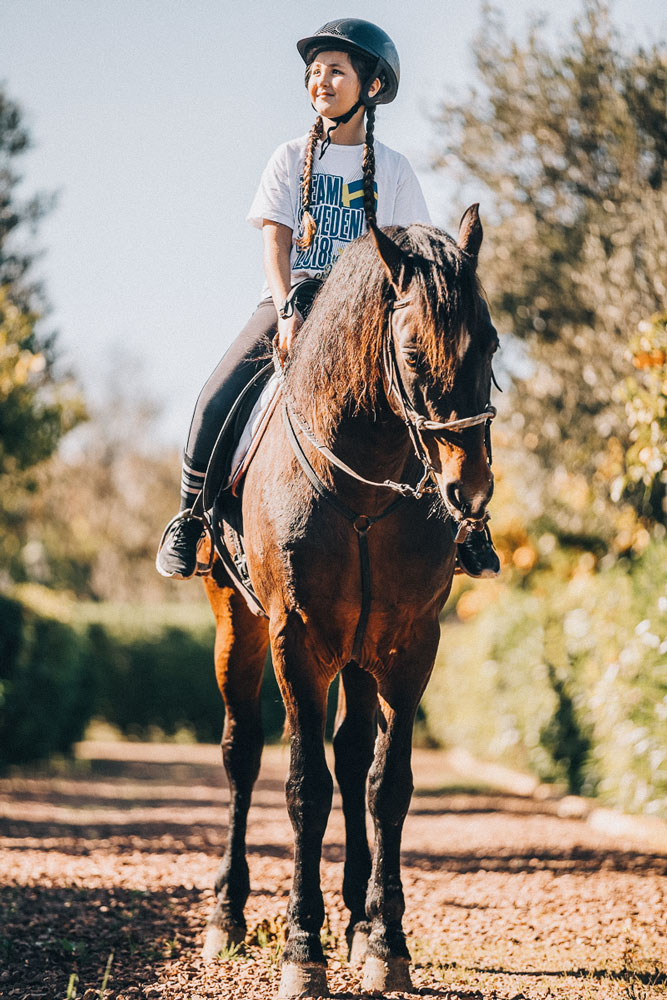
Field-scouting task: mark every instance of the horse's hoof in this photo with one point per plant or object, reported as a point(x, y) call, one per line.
point(219, 939)
point(386, 975)
point(307, 980)
point(358, 948)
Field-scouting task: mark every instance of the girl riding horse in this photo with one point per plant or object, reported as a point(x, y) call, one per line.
point(316, 195)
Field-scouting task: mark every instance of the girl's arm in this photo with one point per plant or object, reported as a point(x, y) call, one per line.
point(277, 249)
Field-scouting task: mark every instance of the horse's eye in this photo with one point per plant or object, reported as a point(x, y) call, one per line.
point(411, 357)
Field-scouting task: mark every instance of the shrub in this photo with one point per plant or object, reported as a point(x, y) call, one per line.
point(46, 691)
point(140, 669)
point(568, 678)
point(162, 678)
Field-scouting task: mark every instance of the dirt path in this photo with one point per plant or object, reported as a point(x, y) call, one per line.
point(504, 899)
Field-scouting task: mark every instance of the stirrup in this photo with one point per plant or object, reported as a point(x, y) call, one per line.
point(204, 568)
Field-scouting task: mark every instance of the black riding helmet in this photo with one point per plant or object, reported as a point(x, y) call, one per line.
point(352, 33)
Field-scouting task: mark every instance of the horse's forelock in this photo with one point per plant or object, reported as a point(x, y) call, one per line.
point(448, 290)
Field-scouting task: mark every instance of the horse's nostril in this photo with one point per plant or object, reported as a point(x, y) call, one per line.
point(455, 497)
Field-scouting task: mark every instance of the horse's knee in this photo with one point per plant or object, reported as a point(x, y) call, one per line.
point(389, 797)
point(354, 738)
point(309, 792)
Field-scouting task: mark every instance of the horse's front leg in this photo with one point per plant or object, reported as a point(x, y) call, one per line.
point(240, 653)
point(304, 682)
point(353, 741)
point(386, 967)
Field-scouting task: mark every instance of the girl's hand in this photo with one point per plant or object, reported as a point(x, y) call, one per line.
point(287, 329)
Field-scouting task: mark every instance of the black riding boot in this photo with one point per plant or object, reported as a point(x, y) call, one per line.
point(476, 555)
point(177, 554)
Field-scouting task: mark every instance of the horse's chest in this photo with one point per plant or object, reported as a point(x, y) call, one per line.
point(322, 558)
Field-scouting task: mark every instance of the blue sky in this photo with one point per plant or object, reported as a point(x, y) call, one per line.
point(153, 120)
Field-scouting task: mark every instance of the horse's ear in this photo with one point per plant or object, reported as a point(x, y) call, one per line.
point(470, 231)
point(396, 261)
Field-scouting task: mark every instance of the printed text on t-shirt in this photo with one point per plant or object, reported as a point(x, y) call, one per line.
point(338, 210)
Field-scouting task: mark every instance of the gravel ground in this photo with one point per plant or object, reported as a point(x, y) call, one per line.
point(110, 863)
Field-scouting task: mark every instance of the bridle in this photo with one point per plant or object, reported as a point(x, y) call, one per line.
point(416, 424)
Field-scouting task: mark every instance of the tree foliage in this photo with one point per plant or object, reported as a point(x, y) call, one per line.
point(100, 507)
point(38, 403)
point(645, 395)
point(564, 144)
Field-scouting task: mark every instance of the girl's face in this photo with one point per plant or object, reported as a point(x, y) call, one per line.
point(333, 85)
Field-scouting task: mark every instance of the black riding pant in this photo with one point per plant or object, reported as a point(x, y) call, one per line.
point(244, 358)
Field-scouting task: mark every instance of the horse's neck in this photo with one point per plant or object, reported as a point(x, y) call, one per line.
point(375, 445)
point(380, 442)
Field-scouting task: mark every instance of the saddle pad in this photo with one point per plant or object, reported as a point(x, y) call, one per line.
point(252, 432)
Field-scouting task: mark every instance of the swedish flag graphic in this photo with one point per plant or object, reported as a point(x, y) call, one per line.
point(353, 194)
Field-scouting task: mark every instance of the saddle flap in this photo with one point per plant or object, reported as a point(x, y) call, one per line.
point(217, 472)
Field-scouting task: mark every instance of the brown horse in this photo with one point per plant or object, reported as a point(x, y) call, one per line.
point(390, 377)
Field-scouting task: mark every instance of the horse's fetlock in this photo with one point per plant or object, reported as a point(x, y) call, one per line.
point(228, 918)
point(385, 906)
point(303, 946)
point(387, 940)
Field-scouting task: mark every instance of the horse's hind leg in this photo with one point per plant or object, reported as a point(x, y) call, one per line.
point(353, 747)
point(240, 652)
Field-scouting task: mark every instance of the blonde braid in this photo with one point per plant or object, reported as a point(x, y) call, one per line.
point(307, 220)
point(368, 166)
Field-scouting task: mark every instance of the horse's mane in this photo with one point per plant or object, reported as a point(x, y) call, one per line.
point(337, 365)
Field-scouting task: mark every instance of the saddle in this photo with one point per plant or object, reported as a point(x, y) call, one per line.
point(222, 496)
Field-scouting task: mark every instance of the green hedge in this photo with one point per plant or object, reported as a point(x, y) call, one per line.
point(46, 686)
point(139, 669)
point(162, 677)
point(567, 678)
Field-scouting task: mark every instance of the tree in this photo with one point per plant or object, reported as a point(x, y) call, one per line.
point(97, 517)
point(565, 147)
point(38, 403)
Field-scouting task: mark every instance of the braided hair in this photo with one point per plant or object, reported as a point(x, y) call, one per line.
point(368, 167)
point(309, 224)
point(363, 67)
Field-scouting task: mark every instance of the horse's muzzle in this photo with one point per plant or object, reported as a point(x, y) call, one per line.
point(469, 502)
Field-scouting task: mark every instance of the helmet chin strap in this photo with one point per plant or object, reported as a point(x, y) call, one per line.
point(359, 103)
point(340, 120)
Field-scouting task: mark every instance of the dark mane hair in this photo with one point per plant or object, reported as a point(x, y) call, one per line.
point(337, 364)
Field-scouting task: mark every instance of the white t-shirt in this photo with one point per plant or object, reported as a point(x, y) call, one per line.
point(337, 201)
